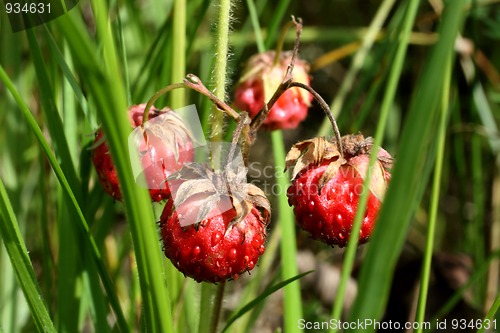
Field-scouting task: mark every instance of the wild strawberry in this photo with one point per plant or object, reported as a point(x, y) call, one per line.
point(165, 146)
point(326, 187)
point(214, 226)
point(260, 80)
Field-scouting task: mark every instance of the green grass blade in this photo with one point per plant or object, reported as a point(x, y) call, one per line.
point(260, 298)
point(110, 96)
point(292, 301)
point(276, 22)
point(69, 270)
point(292, 297)
point(179, 56)
point(69, 264)
point(54, 121)
point(433, 214)
point(478, 273)
point(490, 315)
point(16, 248)
point(198, 11)
point(108, 285)
point(254, 19)
point(152, 61)
point(403, 194)
point(357, 63)
point(72, 25)
point(394, 79)
point(68, 74)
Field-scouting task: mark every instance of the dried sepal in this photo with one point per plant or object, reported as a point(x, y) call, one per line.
point(258, 198)
point(330, 172)
point(254, 197)
point(312, 152)
point(169, 129)
point(218, 185)
point(189, 188)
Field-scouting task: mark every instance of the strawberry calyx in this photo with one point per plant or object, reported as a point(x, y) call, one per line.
point(162, 147)
point(314, 152)
point(226, 188)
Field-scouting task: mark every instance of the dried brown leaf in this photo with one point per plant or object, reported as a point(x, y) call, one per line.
point(208, 204)
point(257, 197)
point(312, 151)
point(189, 188)
point(329, 173)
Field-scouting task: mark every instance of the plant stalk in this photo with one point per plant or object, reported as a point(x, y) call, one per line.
point(220, 68)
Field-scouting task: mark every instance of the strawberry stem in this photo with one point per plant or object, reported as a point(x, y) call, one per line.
point(193, 82)
point(281, 89)
point(157, 95)
point(217, 307)
point(261, 116)
point(281, 40)
point(244, 121)
point(298, 31)
point(326, 109)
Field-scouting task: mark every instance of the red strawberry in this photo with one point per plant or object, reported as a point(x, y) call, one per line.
point(167, 148)
point(260, 80)
point(326, 186)
point(217, 228)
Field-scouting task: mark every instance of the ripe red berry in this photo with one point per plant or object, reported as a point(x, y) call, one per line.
point(209, 234)
point(167, 148)
point(260, 79)
point(326, 187)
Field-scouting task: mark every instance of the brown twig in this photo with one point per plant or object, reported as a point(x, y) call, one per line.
point(325, 108)
point(243, 123)
point(194, 82)
point(262, 115)
point(157, 95)
point(298, 32)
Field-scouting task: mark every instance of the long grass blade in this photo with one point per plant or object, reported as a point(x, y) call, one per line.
point(431, 228)
point(110, 96)
point(394, 78)
point(16, 248)
point(410, 169)
point(108, 285)
point(357, 63)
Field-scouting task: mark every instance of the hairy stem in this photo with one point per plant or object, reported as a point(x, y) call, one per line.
point(179, 51)
point(220, 67)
